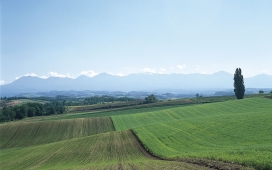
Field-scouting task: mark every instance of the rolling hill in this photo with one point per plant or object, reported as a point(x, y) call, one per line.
point(36, 133)
point(221, 135)
point(64, 147)
point(234, 131)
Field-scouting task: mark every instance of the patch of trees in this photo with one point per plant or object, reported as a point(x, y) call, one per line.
point(151, 99)
point(198, 95)
point(261, 92)
point(99, 99)
point(31, 109)
point(12, 98)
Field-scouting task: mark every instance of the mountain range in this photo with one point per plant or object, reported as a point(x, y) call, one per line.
point(132, 82)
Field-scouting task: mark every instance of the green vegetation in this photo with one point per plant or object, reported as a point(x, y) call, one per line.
point(119, 111)
point(94, 100)
point(20, 134)
point(239, 87)
point(102, 99)
point(151, 99)
point(129, 105)
point(102, 106)
point(106, 113)
point(236, 131)
point(222, 129)
point(112, 150)
point(232, 108)
point(31, 109)
point(13, 101)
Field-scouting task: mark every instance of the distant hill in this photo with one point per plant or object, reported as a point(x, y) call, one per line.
point(133, 82)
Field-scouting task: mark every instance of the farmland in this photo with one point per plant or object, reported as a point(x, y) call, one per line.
point(113, 150)
point(35, 133)
point(89, 111)
point(161, 136)
point(114, 111)
point(231, 108)
point(234, 131)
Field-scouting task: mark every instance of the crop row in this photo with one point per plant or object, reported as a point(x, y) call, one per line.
point(110, 150)
point(20, 134)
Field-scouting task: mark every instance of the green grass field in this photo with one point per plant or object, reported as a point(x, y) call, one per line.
point(20, 134)
point(100, 113)
point(113, 150)
point(236, 131)
point(235, 107)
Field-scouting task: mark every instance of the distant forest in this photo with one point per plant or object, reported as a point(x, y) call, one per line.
point(56, 105)
point(71, 101)
point(103, 99)
point(31, 109)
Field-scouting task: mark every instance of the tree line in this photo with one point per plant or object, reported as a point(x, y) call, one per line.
point(98, 99)
point(12, 113)
point(13, 98)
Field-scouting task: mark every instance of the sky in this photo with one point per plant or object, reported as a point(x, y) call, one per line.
point(69, 38)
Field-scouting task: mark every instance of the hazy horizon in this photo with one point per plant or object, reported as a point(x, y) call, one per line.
point(96, 74)
point(68, 39)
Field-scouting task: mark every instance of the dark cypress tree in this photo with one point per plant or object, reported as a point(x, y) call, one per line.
point(239, 87)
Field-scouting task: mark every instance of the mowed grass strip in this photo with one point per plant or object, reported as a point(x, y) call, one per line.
point(235, 131)
point(21, 134)
point(112, 150)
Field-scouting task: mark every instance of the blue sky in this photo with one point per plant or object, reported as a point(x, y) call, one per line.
point(68, 38)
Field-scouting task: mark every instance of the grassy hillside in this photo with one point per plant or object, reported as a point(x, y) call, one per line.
point(134, 109)
point(103, 113)
point(20, 134)
point(238, 131)
point(113, 150)
point(234, 107)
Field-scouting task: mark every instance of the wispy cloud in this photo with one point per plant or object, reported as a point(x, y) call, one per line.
point(181, 66)
point(2, 82)
point(265, 71)
point(117, 74)
point(148, 70)
point(50, 74)
point(30, 74)
point(55, 74)
point(197, 68)
point(89, 73)
point(120, 74)
point(163, 69)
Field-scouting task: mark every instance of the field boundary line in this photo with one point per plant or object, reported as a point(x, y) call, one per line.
point(142, 147)
point(112, 124)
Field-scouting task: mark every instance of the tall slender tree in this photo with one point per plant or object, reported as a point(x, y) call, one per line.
point(239, 87)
